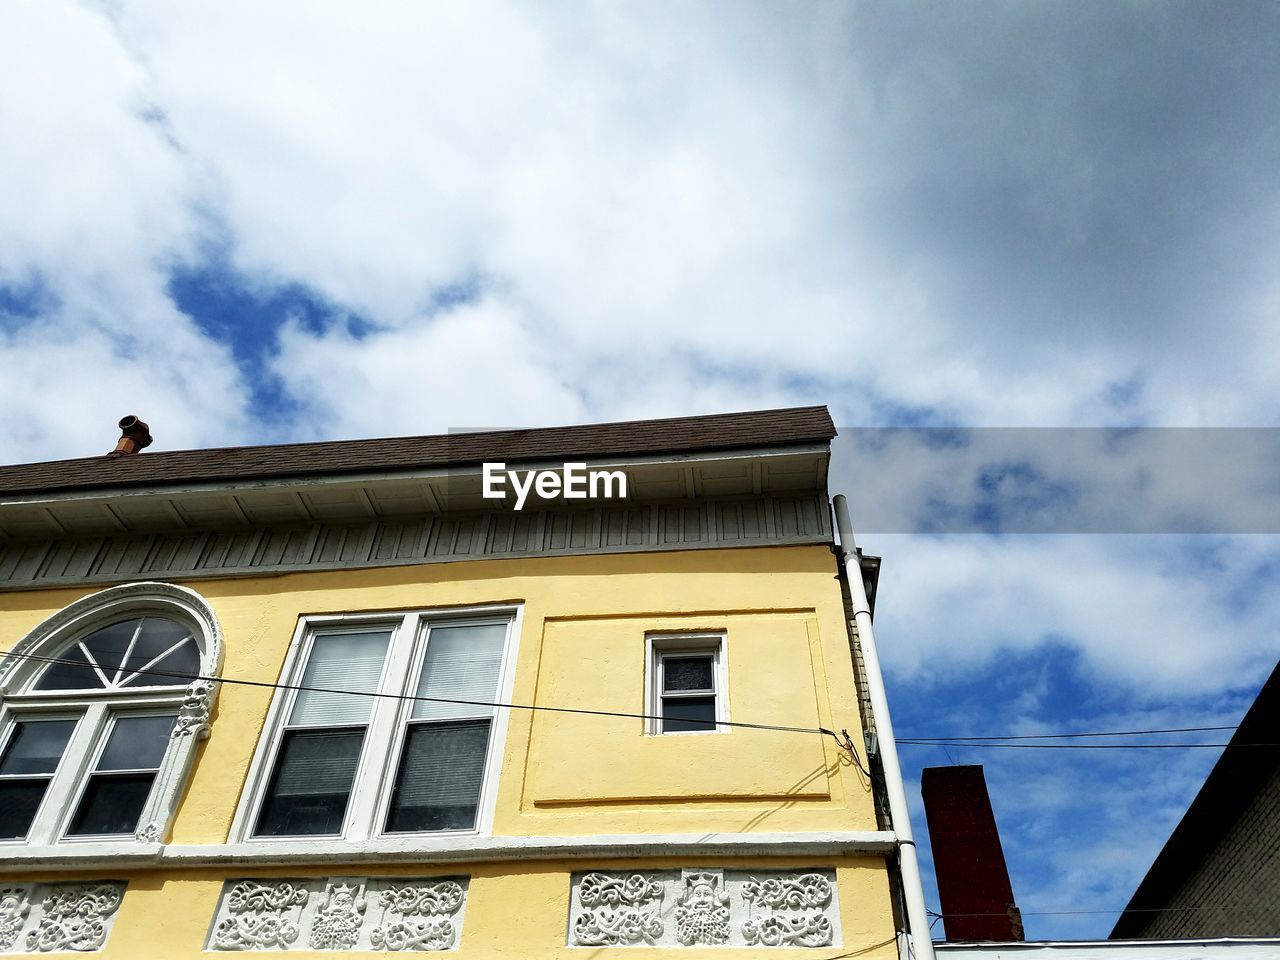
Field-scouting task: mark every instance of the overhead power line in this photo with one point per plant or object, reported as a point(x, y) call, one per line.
point(191, 677)
point(819, 731)
point(1064, 736)
point(1066, 913)
point(1082, 746)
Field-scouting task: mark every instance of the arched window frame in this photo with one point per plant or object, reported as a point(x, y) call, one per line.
point(193, 703)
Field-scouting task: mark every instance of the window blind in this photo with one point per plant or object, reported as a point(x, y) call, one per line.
point(462, 663)
point(441, 770)
point(343, 662)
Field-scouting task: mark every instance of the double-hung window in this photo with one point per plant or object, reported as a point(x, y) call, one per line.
point(687, 688)
point(385, 725)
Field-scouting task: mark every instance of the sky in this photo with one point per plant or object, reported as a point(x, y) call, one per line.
point(265, 222)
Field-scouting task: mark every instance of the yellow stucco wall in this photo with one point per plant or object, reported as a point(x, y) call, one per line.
point(582, 645)
point(513, 910)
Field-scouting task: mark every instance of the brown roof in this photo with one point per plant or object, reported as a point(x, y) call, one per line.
point(762, 428)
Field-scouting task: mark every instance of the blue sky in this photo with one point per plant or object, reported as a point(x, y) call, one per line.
point(252, 222)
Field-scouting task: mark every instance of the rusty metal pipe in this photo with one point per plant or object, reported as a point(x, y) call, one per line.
point(134, 436)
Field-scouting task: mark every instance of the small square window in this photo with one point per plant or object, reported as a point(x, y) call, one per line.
point(687, 686)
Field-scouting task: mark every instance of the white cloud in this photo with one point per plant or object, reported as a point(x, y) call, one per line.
point(475, 366)
point(641, 184)
point(656, 195)
point(1152, 613)
point(96, 206)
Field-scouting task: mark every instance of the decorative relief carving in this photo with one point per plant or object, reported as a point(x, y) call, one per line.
point(413, 914)
point(75, 917)
point(14, 907)
point(193, 715)
point(705, 907)
point(618, 910)
point(425, 917)
point(338, 921)
point(791, 900)
point(264, 915)
point(702, 910)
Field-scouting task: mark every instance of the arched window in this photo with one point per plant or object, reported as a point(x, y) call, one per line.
point(100, 710)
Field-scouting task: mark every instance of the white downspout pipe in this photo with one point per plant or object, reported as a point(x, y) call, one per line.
point(912, 891)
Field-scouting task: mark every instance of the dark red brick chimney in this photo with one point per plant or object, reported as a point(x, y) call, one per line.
point(973, 881)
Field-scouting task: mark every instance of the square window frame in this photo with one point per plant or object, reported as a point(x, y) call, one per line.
point(376, 771)
point(105, 725)
point(10, 717)
point(659, 647)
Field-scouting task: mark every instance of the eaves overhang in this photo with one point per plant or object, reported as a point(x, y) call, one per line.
point(392, 493)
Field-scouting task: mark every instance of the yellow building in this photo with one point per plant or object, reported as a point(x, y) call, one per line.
point(332, 698)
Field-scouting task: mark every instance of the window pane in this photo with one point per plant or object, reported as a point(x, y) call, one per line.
point(176, 668)
point(19, 800)
point(344, 662)
point(76, 674)
point(137, 743)
point(462, 663)
point(36, 746)
point(111, 803)
point(688, 713)
point(686, 673)
point(108, 645)
point(312, 783)
point(136, 642)
point(438, 783)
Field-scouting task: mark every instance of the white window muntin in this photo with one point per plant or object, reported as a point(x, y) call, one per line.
point(103, 722)
point(673, 646)
point(310, 629)
point(81, 752)
point(20, 673)
point(9, 721)
point(497, 718)
point(376, 770)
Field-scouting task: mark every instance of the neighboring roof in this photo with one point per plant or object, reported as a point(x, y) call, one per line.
point(757, 429)
point(1250, 759)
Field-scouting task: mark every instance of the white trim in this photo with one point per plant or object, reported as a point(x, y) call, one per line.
point(193, 704)
point(268, 738)
point(106, 727)
point(98, 609)
point(453, 848)
point(659, 646)
point(376, 770)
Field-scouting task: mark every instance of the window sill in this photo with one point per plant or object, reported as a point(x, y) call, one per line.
point(450, 849)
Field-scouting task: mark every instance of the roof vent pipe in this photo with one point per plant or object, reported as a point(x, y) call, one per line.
point(134, 435)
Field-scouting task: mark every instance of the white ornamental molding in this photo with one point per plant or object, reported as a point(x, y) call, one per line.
point(704, 907)
point(790, 911)
point(262, 915)
point(340, 913)
point(63, 917)
point(621, 910)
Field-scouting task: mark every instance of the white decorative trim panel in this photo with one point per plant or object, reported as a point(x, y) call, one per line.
point(704, 908)
point(62, 917)
point(340, 913)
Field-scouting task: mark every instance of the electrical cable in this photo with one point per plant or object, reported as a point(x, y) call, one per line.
point(191, 677)
point(1063, 736)
point(1066, 913)
point(1084, 746)
point(845, 742)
